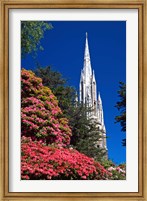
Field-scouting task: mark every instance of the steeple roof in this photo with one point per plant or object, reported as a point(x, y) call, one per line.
point(86, 55)
point(87, 63)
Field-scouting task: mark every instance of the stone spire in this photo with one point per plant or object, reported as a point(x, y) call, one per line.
point(87, 63)
point(88, 95)
point(86, 76)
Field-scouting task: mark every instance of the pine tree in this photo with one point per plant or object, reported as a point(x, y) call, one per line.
point(121, 106)
point(85, 133)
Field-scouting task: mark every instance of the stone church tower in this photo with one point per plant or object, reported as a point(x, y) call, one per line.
point(88, 95)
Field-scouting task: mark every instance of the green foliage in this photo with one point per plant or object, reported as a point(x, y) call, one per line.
point(121, 106)
point(53, 79)
point(31, 34)
point(107, 163)
point(50, 78)
point(85, 133)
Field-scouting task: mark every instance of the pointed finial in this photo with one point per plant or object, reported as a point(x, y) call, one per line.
point(86, 35)
point(93, 76)
point(99, 97)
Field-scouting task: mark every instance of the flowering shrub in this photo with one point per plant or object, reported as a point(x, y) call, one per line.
point(41, 118)
point(117, 172)
point(47, 162)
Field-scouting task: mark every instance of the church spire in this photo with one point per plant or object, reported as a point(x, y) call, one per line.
point(86, 77)
point(87, 63)
point(87, 55)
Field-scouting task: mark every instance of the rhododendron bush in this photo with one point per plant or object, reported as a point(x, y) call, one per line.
point(41, 118)
point(118, 172)
point(47, 162)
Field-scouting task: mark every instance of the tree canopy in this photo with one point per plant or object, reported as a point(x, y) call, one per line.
point(31, 34)
point(65, 94)
point(121, 106)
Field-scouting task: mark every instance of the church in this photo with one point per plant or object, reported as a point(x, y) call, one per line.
point(88, 95)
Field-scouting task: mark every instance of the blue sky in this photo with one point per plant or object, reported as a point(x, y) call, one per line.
point(64, 52)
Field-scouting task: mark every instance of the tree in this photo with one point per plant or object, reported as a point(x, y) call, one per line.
point(49, 77)
point(54, 80)
point(31, 34)
point(85, 133)
point(121, 106)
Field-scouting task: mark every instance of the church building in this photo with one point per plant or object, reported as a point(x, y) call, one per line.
point(88, 95)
